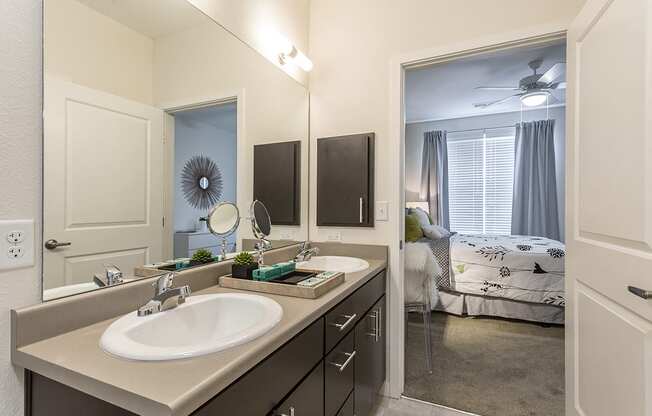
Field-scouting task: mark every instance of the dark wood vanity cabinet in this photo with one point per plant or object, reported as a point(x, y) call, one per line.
point(370, 365)
point(334, 367)
point(345, 181)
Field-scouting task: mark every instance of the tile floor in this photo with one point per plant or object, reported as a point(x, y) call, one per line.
point(411, 407)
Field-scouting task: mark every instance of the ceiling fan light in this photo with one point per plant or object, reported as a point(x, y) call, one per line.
point(534, 99)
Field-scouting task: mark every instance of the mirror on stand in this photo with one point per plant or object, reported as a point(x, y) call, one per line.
point(261, 226)
point(223, 220)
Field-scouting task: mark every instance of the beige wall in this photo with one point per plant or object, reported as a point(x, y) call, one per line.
point(254, 21)
point(352, 43)
point(207, 62)
point(20, 163)
point(90, 49)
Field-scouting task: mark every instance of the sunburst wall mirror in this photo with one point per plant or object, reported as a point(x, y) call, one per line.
point(201, 182)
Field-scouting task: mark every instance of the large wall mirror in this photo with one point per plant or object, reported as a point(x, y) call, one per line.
point(151, 114)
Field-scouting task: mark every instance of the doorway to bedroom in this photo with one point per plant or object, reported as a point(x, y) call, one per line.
point(484, 231)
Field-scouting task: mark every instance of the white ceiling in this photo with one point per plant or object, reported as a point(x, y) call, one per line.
point(220, 116)
point(447, 90)
point(152, 18)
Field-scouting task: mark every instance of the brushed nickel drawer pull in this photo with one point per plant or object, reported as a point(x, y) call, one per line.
point(641, 293)
point(349, 319)
point(349, 358)
point(361, 217)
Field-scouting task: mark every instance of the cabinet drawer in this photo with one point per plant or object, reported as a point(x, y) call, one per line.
point(264, 387)
point(308, 398)
point(338, 374)
point(347, 409)
point(343, 317)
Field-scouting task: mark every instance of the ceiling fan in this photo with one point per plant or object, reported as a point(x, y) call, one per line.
point(534, 89)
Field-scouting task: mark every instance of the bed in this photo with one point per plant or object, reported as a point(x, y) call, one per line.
point(510, 276)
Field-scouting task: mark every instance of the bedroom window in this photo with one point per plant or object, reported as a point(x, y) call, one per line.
point(481, 176)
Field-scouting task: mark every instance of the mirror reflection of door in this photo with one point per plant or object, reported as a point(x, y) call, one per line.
point(103, 189)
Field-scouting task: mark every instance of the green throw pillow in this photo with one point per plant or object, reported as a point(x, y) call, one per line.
point(413, 230)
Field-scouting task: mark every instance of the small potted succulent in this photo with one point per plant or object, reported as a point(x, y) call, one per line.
point(201, 256)
point(243, 266)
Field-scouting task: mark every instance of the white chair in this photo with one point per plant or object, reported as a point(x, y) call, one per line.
point(421, 268)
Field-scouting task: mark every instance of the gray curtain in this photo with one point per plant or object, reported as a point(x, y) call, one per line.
point(534, 207)
point(434, 176)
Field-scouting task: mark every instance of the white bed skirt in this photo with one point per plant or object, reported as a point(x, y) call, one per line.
point(473, 305)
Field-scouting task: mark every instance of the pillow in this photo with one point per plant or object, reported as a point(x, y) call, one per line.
point(413, 230)
point(435, 232)
point(422, 216)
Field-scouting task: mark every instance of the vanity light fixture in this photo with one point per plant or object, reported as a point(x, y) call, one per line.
point(533, 99)
point(290, 54)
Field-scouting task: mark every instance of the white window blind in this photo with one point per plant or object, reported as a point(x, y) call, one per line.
point(480, 180)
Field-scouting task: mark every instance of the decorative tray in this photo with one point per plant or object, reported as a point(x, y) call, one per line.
point(286, 285)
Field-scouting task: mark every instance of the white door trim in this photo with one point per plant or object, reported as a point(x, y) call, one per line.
point(398, 65)
point(237, 96)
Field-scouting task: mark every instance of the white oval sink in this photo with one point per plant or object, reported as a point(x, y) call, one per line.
point(334, 264)
point(202, 325)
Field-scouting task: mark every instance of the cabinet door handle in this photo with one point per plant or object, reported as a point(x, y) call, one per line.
point(375, 335)
point(641, 293)
point(361, 216)
point(283, 414)
point(349, 358)
point(349, 319)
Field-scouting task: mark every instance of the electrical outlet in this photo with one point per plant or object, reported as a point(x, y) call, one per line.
point(15, 237)
point(334, 236)
point(15, 252)
point(16, 244)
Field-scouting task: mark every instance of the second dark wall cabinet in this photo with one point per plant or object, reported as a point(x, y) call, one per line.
point(345, 181)
point(277, 184)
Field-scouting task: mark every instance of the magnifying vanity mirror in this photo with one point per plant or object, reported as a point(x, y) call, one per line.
point(141, 142)
point(223, 221)
point(261, 226)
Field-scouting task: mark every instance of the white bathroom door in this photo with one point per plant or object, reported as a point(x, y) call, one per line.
point(609, 210)
point(102, 182)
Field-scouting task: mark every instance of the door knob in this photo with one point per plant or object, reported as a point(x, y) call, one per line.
point(51, 244)
point(645, 294)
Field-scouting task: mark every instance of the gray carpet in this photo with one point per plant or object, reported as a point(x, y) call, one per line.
point(487, 366)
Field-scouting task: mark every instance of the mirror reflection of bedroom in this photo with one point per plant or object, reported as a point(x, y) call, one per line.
point(484, 226)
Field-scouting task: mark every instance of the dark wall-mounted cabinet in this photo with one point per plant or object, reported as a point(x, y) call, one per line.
point(277, 180)
point(345, 181)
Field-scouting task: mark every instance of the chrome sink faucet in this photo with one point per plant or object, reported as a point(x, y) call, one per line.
point(306, 252)
point(112, 276)
point(165, 296)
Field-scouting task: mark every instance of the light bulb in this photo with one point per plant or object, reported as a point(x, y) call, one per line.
point(533, 99)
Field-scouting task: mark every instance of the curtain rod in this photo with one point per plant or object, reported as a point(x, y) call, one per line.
point(481, 129)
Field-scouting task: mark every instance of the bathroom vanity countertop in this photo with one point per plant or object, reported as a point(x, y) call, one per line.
point(172, 387)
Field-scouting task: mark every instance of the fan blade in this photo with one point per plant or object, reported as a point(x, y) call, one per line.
point(557, 85)
point(502, 100)
point(498, 88)
point(553, 74)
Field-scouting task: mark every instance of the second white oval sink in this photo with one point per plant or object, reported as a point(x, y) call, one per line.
point(334, 264)
point(202, 325)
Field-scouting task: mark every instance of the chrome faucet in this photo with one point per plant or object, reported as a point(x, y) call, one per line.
point(306, 252)
point(112, 276)
point(165, 297)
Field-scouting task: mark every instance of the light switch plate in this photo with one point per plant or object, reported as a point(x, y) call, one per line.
point(16, 244)
point(382, 211)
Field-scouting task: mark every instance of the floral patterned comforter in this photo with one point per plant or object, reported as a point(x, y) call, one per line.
point(525, 268)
